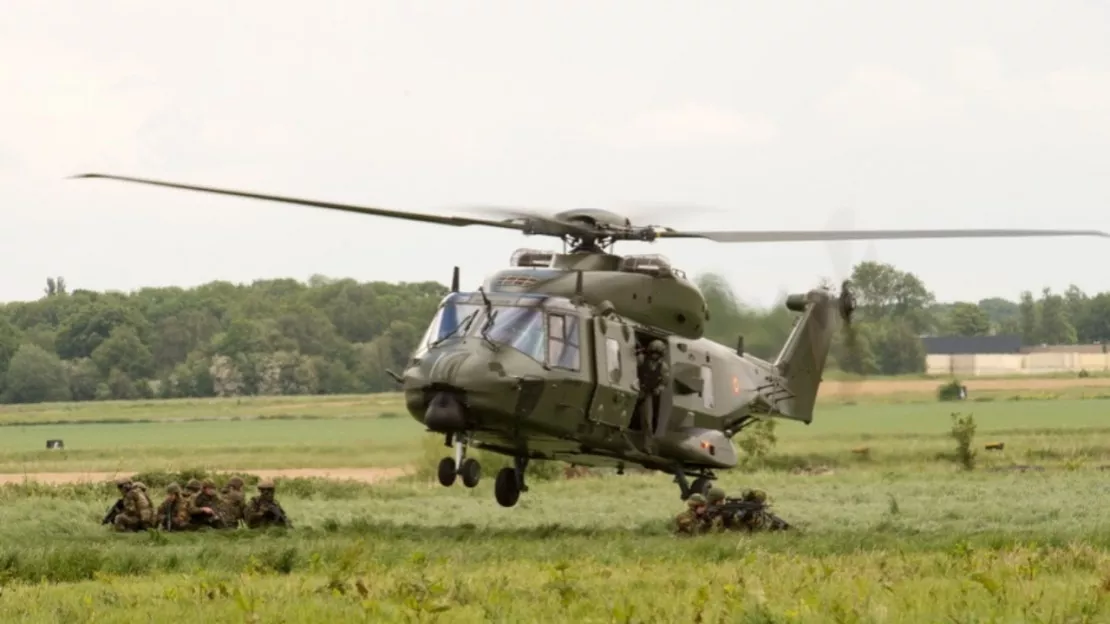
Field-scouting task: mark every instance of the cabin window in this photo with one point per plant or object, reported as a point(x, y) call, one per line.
point(521, 328)
point(562, 342)
point(707, 386)
point(613, 359)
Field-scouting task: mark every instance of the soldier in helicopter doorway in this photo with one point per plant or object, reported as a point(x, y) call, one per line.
point(654, 375)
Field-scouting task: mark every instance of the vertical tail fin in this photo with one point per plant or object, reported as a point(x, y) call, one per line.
point(802, 359)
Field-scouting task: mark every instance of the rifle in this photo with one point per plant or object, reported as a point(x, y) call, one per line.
point(167, 518)
point(113, 512)
point(736, 509)
point(278, 514)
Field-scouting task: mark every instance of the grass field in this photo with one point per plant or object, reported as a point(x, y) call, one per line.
point(891, 527)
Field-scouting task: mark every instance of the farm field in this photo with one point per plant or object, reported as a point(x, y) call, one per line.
point(891, 529)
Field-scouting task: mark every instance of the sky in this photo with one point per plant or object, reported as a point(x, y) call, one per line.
point(700, 115)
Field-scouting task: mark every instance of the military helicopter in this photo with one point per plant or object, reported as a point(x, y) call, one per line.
point(541, 362)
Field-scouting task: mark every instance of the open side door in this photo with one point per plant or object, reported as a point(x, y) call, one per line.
point(615, 396)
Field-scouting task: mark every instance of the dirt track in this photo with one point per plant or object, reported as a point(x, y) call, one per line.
point(929, 386)
point(366, 475)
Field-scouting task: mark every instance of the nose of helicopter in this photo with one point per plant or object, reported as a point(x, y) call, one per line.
point(458, 389)
point(445, 413)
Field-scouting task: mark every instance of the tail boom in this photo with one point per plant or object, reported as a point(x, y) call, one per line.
point(801, 361)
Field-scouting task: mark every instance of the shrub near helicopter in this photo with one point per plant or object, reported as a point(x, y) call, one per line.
point(541, 361)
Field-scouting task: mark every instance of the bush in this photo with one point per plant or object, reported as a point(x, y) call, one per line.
point(757, 440)
point(963, 431)
point(951, 391)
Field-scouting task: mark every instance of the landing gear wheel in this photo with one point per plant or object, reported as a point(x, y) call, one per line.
point(446, 471)
point(471, 472)
point(506, 487)
point(701, 486)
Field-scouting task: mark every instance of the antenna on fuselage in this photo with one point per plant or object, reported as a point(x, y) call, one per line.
point(455, 280)
point(578, 298)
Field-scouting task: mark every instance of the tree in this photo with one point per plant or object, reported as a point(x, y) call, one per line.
point(1054, 326)
point(764, 331)
point(1096, 319)
point(883, 292)
point(35, 376)
point(899, 350)
point(55, 287)
point(125, 352)
point(967, 319)
point(1028, 311)
point(9, 345)
point(1002, 313)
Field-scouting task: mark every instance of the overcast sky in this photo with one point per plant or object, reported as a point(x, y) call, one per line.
point(770, 115)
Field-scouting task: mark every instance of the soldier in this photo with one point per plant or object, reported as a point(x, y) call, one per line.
point(137, 513)
point(654, 374)
point(204, 506)
point(715, 513)
point(234, 502)
point(694, 520)
point(759, 519)
point(264, 510)
point(173, 513)
point(192, 488)
point(122, 485)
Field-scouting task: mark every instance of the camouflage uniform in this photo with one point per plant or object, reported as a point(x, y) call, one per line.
point(204, 507)
point(759, 519)
point(176, 507)
point(695, 519)
point(715, 513)
point(261, 509)
point(192, 488)
point(654, 374)
point(123, 484)
point(138, 513)
point(234, 503)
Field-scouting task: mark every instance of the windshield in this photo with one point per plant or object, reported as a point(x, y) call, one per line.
point(447, 320)
point(520, 328)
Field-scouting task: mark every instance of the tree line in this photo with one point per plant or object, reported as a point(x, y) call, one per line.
point(333, 336)
point(895, 309)
point(282, 336)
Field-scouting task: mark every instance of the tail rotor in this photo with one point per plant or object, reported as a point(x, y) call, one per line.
point(852, 352)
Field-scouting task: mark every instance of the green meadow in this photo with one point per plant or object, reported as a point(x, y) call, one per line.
point(891, 525)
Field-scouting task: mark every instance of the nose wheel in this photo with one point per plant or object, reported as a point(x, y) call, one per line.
point(701, 485)
point(460, 465)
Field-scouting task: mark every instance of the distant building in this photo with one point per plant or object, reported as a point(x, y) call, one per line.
point(1097, 347)
point(969, 345)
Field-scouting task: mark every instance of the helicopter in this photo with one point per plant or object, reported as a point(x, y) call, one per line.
point(543, 360)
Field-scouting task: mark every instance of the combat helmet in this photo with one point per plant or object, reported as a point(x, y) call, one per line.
point(123, 482)
point(758, 496)
point(695, 500)
point(139, 485)
point(173, 488)
point(266, 484)
point(193, 485)
point(235, 482)
point(656, 347)
point(716, 495)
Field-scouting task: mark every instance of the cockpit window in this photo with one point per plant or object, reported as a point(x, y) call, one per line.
point(520, 328)
point(447, 321)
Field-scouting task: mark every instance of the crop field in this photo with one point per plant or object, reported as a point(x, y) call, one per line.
point(892, 525)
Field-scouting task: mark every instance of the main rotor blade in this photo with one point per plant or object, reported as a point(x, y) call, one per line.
point(366, 210)
point(829, 235)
